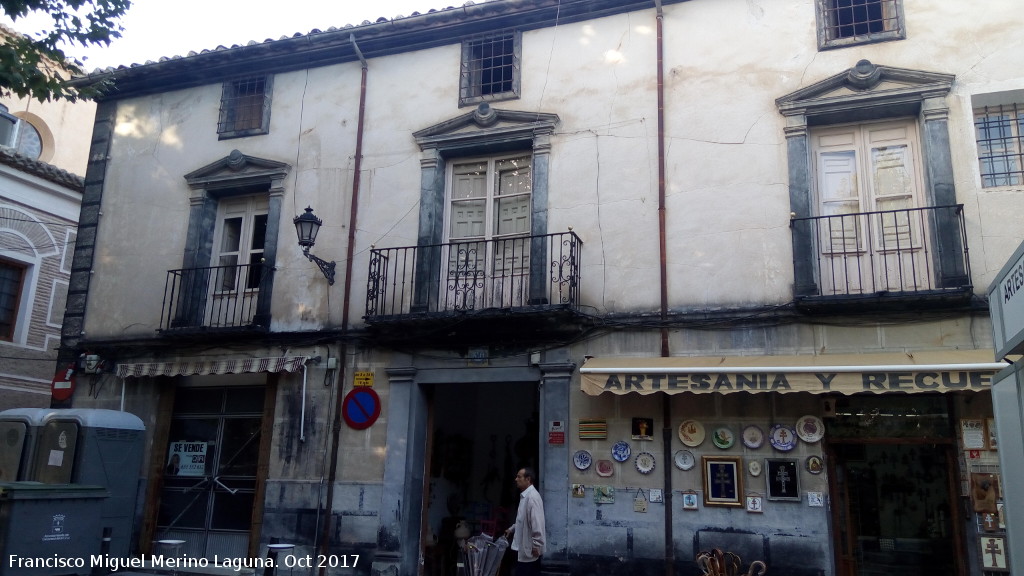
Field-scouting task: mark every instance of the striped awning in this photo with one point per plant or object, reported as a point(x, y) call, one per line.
point(212, 367)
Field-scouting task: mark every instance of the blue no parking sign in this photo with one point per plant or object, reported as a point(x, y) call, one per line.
point(361, 408)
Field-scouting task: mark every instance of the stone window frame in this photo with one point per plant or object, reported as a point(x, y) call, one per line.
point(236, 174)
point(863, 93)
point(482, 132)
point(828, 37)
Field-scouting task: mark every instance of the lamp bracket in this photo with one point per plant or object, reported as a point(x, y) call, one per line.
point(326, 267)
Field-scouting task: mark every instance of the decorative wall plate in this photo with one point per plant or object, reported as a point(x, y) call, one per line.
point(753, 437)
point(814, 464)
point(754, 467)
point(582, 459)
point(620, 451)
point(810, 429)
point(644, 462)
point(691, 433)
point(723, 437)
point(605, 468)
point(782, 437)
point(684, 460)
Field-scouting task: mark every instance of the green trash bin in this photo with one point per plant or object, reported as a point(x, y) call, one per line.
point(49, 529)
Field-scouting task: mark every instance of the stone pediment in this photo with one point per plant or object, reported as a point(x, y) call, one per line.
point(236, 169)
point(865, 85)
point(486, 125)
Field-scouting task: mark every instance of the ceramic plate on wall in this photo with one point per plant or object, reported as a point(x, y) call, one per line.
point(620, 451)
point(810, 429)
point(684, 460)
point(815, 465)
point(605, 468)
point(723, 437)
point(644, 462)
point(691, 433)
point(782, 437)
point(754, 467)
point(582, 460)
point(753, 437)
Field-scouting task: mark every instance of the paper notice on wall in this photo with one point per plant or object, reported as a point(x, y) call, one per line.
point(973, 434)
point(56, 458)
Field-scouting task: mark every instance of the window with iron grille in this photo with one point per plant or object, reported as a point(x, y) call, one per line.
point(11, 279)
point(245, 107)
point(1000, 133)
point(490, 68)
point(850, 22)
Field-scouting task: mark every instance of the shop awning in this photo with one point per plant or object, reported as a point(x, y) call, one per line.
point(938, 371)
point(212, 367)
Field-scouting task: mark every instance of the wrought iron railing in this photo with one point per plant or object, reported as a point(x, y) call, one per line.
point(519, 272)
point(216, 297)
point(888, 251)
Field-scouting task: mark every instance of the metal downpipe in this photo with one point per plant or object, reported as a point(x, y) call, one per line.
point(325, 543)
point(666, 400)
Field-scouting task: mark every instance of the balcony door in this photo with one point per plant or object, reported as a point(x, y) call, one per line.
point(489, 224)
point(871, 235)
point(237, 265)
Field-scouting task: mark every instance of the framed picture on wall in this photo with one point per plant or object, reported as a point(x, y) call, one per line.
point(993, 553)
point(722, 481)
point(783, 478)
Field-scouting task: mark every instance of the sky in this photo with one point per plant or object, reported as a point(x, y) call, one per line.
point(156, 28)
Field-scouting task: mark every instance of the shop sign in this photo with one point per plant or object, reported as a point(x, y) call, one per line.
point(1006, 306)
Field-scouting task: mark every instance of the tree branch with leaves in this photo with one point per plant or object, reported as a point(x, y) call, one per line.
point(37, 66)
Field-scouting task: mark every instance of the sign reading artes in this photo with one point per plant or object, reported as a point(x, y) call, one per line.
point(847, 374)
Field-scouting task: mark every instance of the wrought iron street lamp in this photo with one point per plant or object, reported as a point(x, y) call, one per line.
point(306, 227)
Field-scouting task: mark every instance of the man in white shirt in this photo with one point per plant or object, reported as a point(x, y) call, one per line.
point(528, 531)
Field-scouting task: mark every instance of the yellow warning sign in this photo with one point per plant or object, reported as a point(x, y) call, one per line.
point(364, 379)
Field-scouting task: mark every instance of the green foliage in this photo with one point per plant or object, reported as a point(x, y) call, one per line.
point(37, 66)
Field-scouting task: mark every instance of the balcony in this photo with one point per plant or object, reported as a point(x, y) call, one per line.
point(908, 258)
point(526, 286)
point(217, 299)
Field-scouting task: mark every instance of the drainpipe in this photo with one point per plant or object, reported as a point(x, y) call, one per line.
point(666, 400)
point(325, 543)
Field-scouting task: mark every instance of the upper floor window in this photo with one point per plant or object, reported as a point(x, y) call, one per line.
point(19, 134)
point(849, 22)
point(490, 68)
point(1000, 133)
point(11, 280)
point(245, 107)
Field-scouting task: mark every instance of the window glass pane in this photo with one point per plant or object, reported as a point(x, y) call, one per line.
point(244, 401)
point(469, 180)
point(891, 173)
point(10, 293)
point(514, 176)
point(259, 232)
point(232, 511)
point(197, 401)
point(231, 234)
point(240, 447)
point(512, 215)
point(467, 219)
point(183, 507)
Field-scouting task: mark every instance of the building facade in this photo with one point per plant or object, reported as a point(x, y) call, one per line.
point(43, 149)
point(715, 270)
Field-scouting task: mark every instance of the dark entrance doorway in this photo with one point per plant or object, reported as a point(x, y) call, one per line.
point(891, 470)
point(210, 477)
point(480, 435)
